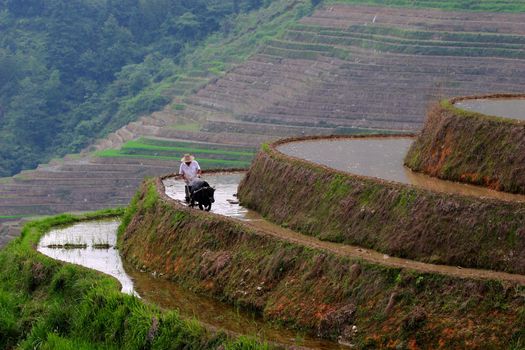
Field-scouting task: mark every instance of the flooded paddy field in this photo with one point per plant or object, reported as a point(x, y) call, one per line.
point(92, 244)
point(502, 107)
point(225, 194)
point(382, 158)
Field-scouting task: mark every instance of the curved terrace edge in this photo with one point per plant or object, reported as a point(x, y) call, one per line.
point(391, 217)
point(471, 147)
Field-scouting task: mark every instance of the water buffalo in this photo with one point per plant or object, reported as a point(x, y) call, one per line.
point(202, 194)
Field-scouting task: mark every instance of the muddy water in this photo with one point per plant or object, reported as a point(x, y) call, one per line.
point(225, 190)
point(164, 293)
point(168, 295)
point(502, 107)
point(381, 158)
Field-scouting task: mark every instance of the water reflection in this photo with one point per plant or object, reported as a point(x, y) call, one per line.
point(89, 233)
point(163, 293)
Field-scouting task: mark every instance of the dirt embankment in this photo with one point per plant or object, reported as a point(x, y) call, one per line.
point(470, 147)
point(396, 219)
point(333, 296)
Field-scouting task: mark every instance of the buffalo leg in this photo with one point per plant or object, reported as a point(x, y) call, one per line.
point(187, 191)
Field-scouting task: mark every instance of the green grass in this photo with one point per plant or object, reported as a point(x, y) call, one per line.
point(188, 147)
point(47, 304)
point(209, 156)
point(465, 5)
point(208, 146)
point(14, 216)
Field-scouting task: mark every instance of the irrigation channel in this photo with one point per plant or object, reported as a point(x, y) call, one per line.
point(92, 244)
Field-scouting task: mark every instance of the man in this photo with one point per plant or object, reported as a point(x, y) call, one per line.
point(190, 170)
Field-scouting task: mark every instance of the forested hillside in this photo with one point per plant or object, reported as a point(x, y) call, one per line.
point(72, 70)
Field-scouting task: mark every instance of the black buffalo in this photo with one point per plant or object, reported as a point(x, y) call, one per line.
point(201, 193)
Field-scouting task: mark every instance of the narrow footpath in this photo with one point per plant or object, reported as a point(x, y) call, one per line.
point(226, 184)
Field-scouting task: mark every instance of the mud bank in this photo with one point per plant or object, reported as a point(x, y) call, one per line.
point(471, 147)
point(396, 219)
point(360, 303)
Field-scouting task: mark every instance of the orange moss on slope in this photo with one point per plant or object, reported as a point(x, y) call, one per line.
point(471, 147)
point(316, 290)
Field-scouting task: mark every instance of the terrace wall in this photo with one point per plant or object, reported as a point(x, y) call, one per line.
point(470, 147)
point(393, 218)
point(364, 304)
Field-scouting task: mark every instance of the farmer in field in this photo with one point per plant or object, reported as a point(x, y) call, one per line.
point(190, 170)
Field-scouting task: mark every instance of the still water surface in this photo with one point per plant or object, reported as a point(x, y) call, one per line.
point(501, 107)
point(382, 158)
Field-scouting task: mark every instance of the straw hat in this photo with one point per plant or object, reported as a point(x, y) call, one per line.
point(187, 158)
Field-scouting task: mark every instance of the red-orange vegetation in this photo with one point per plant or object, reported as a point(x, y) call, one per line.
point(469, 177)
point(208, 285)
point(492, 183)
point(177, 264)
point(412, 344)
point(441, 152)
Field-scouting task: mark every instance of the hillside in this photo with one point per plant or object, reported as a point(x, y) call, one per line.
point(72, 71)
point(345, 66)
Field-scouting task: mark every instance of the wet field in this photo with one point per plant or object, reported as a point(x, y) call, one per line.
point(502, 107)
point(382, 158)
point(225, 194)
point(92, 244)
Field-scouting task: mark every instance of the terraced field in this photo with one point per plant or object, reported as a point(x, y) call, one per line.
point(209, 155)
point(356, 66)
point(346, 68)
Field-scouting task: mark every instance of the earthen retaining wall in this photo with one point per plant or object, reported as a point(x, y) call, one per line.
point(393, 218)
point(471, 147)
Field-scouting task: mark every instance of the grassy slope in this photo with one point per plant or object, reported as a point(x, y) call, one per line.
point(311, 289)
point(464, 146)
point(48, 304)
point(393, 218)
point(221, 51)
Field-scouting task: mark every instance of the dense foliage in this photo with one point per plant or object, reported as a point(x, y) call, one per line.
point(72, 70)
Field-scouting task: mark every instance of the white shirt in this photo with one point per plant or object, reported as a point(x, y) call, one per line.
point(189, 172)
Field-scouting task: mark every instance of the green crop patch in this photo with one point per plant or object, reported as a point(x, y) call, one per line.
point(210, 156)
point(186, 144)
point(325, 42)
point(13, 216)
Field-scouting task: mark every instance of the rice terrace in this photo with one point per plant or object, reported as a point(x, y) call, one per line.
point(363, 163)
